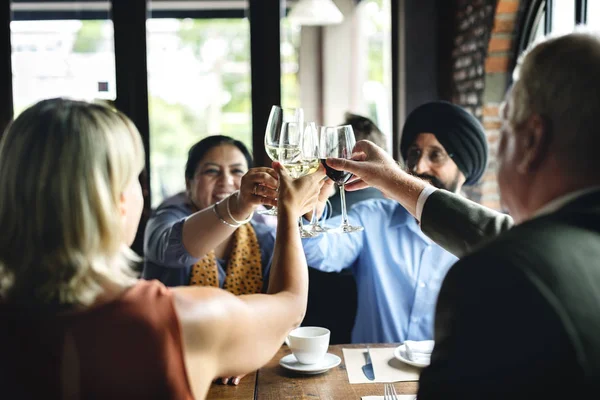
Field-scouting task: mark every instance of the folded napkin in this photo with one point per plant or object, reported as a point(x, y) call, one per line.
point(386, 367)
point(400, 397)
point(419, 351)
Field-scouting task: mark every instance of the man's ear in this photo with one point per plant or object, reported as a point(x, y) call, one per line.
point(535, 138)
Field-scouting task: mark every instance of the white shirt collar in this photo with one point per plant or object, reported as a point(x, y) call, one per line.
point(561, 201)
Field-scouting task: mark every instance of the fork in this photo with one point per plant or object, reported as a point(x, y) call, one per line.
point(389, 392)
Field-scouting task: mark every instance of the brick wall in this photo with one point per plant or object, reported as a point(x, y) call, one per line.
point(483, 42)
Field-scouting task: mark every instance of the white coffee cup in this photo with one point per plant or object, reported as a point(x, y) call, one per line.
point(308, 343)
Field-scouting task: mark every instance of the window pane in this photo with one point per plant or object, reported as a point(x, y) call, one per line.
point(199, 85)
point(290, 48)
point(593, 14)
point(377, 79)
point(563, 16)
point(71, 58)
point(540, 28)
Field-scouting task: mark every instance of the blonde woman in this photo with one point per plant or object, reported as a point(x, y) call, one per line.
point(75, 323)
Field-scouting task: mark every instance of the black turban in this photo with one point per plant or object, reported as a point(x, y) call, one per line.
point(459, 132)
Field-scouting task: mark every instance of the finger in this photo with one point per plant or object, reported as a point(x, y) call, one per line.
point(342, 164)
point(325, 187)
point(365, 146)
point(268, 202)
point(353, 178)
point(236, 380)
point(264, 191)
point(268, 170)
point(281, 171)
point(272, 172)
point(356, 185)
point(328, 183)
point(263, 178)
point(224, 381)
point(359, 156)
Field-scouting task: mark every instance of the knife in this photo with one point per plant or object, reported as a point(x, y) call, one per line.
point(368, 367)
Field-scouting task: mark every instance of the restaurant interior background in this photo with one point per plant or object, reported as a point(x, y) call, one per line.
point(190, 68)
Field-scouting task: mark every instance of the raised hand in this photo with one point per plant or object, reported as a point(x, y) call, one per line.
point(327, 190)
point(258, 186)
point(370, 165)
point(298, 196)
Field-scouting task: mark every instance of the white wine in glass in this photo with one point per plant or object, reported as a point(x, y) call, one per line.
point(296, 157)
point(311, 151)
point(281, 120)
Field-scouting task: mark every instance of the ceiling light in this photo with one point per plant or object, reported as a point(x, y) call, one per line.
point(315, 12)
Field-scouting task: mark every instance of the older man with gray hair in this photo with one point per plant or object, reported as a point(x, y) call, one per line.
point(518, 316)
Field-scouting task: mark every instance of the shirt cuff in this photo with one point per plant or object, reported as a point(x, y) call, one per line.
point(423, 196)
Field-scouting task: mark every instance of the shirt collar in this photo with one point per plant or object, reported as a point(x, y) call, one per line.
point(401, 217)
point(559, 202)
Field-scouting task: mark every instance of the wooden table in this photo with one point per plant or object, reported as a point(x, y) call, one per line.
point(272, 382)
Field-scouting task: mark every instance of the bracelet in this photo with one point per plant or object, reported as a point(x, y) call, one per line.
point(244, 221)
point(214, 207)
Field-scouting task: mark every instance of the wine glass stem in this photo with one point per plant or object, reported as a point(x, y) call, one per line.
point(314, 219)
point(343, 201)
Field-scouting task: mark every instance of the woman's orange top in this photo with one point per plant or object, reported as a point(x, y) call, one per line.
point(130, 348)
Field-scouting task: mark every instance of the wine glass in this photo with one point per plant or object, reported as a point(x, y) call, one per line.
point(311, 151)
point(338, 142)
point(280, 119)
point(298, 156)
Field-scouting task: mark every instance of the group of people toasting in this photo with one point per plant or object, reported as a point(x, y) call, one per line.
point(512, 301)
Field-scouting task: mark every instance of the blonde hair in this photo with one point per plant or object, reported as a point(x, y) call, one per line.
point(64, 165)
point(559, 79)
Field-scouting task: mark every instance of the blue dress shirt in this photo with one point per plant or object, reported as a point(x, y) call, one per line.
point(165, 257)
point(398, 271)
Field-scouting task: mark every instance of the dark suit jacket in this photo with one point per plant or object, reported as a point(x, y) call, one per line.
point(518, 317)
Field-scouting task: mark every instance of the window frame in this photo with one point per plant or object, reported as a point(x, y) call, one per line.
point(130, 59)
point(530, 15)
point(533, 12)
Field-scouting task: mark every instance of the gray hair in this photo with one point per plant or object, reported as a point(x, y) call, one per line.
point(559, 80)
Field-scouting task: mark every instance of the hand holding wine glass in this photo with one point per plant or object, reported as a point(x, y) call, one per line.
point(311, 150)
point(371, 166)
point(338, 142)
point(298, 195)
point(297, 154)
point(280, 119)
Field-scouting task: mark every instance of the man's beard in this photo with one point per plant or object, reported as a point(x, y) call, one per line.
point(451, 187)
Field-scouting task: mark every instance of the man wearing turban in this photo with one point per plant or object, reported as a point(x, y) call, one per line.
point(445, 145)
point(398, 269)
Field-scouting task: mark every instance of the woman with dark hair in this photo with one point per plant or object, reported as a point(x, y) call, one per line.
point(189, 242)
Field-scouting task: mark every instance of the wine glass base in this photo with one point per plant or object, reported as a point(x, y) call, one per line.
point(346, 229)
point(315, 228)
point(308, 234)
point(270, 211)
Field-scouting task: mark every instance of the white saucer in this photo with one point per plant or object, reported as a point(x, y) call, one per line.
point(400, 354)
point(328, 362)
